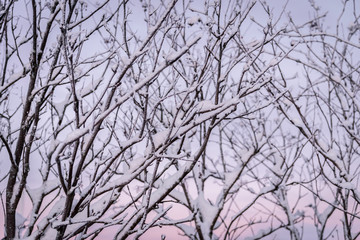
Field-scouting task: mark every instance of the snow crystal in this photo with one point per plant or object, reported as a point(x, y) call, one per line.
point(191, 21)
point(188, 230)
point(298, 122)
point(20, 219)
point(187, 145)
point(246, 67)
point(332, 154)
point(53, 144)
point(60, 106)
point(130, 142)
point(98, 206)
point(49, 233)
point(266, 189)
point(58, 207)
point(231, 177)
point(56, 71)
point(324, 215)
point(273, 62)
point(136, 163)
point(48, 186)
point(168, 183)
point(277, 166)
point(114, 67)
point(347, 123)
point(208, 213)
point(192, 88)
point(158, 139)
point(172, 54)
point(77, 133)
point(347, 185)
point(356, 194)
point(253, 43)
point(90, 87)
point(245, 155)
point(353, 27)
point(261, 233)
point(151, 29)
point(126, 60)
point(205, 106)
point(343, 102)
point(73, 35)
point(16, 76)
point(78, 72)
point(336, 78)
point(322, 145)
point(293, 42)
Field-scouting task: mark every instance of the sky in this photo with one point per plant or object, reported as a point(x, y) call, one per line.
point(299, 11)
